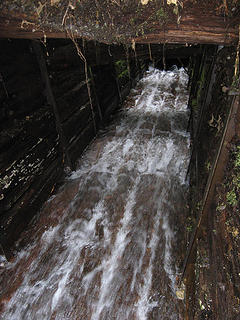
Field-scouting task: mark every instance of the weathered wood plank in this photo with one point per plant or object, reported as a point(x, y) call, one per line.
point(22, 140)
point(77, 122)
point(30, 157)
point(16, 179)
point(82, 141)
point(17, 218)
point(193, 28)
point(51, 99)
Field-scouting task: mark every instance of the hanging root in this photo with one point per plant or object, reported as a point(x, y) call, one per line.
point(82, 57)
point(223, 8)
point(150, 52)
point(164, 58)
point(236, 69)
point(128, 63)
point(236, 77)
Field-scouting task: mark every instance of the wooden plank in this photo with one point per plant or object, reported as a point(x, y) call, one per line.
point(16, 219)
point(77, 122)
point(214, 178)
point(77, 146)
point(194, 27)
point(71, 102)
point(51, 100)
point(17, 178)
point(21, 139)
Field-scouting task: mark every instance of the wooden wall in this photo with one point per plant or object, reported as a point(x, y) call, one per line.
point(49, 112)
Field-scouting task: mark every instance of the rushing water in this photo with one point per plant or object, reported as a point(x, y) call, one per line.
point(102, 248)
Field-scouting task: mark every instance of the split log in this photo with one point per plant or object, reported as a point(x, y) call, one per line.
point(194, 27)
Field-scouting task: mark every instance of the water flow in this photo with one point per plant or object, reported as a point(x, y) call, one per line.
point(102, 248)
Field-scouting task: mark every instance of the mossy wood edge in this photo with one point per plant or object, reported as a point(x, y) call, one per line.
point(137, 24)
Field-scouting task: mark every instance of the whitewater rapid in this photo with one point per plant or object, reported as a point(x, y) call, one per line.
point(103, 246)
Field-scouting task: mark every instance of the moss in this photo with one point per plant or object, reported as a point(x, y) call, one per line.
point(121, 69)
point(161, 15)
point(231, 198)
point(232, 186)
point(237, 159)
point(201, 83)
point(194, 106)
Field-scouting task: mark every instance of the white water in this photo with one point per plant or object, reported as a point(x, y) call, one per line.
point(107, 249)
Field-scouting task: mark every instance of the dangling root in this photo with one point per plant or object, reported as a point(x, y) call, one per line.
point(82, 57)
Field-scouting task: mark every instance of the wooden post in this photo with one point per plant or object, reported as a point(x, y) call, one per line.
point(116, 79)
point(51, 100)
point(95, 93)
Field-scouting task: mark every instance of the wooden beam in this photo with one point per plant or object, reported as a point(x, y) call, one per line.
point(192, 29)
point(51, 100)
point(198, 28)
